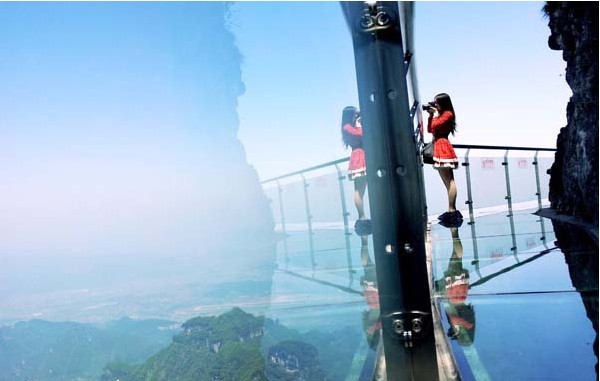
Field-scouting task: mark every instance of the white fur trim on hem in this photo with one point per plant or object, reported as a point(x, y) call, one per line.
point(437, 165)
point(442, 160)
point(353, 174)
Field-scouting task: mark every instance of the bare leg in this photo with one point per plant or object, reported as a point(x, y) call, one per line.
point(360, 185)
point(448, 178)
point(364, 250)
point(457, 247)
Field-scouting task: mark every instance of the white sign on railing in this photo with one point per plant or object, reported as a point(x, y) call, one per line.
point(488, 163)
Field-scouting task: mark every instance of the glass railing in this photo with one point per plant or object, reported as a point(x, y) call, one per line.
point(321, 196)
point(314, 211)
point(502, 261)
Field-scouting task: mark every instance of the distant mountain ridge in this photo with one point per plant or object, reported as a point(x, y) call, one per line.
point(233, 346)
point(49, 351)
point(227, 347)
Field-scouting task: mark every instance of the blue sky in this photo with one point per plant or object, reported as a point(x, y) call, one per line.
point(117, 120)
point(508, 87)
point(112, 118)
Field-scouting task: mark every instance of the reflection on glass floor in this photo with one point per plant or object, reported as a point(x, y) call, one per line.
point(507, 301)
point(514, 313)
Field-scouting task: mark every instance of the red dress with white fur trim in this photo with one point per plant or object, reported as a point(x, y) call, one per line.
point(443, 152)
point(357, 165)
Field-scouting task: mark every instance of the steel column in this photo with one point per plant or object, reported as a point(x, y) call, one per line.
point(395, 191)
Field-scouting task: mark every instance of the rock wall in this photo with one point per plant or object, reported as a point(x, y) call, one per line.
point(581, 256)
point(574, 174)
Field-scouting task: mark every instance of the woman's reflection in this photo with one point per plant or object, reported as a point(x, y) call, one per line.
point(460, 315)
point(374, 367)
point(371, 321)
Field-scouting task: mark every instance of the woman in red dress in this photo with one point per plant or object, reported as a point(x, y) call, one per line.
point(444, 157)
point(357, 168)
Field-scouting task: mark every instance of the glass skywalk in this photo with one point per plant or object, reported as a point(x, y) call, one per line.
point(501, 285)
point(524, 317)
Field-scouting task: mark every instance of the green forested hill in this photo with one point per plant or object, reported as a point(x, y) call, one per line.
point(235, 346)
point(238, 346)
point(223, 348)
point(50, 351)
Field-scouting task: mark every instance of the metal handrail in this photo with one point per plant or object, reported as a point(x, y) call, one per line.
point(472, 146)
point(301, 171)
point(462, 146)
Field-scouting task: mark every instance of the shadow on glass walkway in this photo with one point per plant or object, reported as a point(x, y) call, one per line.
point(508, 303)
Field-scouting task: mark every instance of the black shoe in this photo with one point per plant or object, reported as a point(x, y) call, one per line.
point(452, 219)
point(451, 223)
point(457, 215)
point(362, 227)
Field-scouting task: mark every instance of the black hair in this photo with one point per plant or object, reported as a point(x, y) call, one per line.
point(349, 116)
point(443, 100)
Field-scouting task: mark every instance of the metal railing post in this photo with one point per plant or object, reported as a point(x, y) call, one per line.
point(309, 222)
point(469, 201)
point(282, 215)
point(475, 260)
point(345, 215)
point(537, 179)
point(509, 202)
point(539, 193)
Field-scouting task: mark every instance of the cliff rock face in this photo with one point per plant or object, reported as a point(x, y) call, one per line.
point(581, 256)
point(574, 174)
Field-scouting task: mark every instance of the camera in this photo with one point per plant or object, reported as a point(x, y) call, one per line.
point(428, 106)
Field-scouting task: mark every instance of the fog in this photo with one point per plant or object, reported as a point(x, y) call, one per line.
point(119, 160)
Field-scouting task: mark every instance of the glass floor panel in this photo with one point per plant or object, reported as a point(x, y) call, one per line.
point(526, 320)
point(329, 294)
point(523, 313)
point(525, 337)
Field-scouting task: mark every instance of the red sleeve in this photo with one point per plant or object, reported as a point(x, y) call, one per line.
point(442, 124)
point(429, 124)
point(356, 131)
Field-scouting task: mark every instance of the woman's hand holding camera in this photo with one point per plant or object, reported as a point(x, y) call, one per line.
point(430, 107)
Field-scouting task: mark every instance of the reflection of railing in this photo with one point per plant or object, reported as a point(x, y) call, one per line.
point(309, 216)
point(489, 277)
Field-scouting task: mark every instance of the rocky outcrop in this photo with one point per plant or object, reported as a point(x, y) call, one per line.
point(294, 361)
point(574, 174)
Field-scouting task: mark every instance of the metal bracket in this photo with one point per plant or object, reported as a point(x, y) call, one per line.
point(413, 110)
point(407, 326)
point(375, 18)
point(407, 58)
